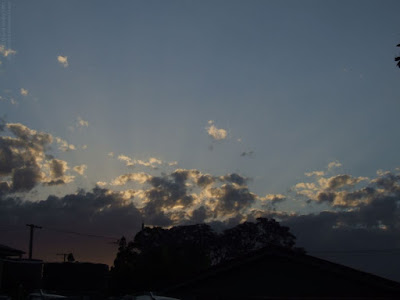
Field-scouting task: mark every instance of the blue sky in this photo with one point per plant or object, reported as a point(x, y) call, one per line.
point(290, 87)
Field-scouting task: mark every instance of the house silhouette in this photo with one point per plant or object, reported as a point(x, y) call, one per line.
point(279, 273)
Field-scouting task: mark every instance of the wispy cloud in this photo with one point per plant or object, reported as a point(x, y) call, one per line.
point(63, 60)
point(152, 162)
point(334, 164)
point(315, 173)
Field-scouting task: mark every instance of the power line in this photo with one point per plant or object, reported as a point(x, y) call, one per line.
point(366, 251)
point(18, 228)
point(81, 234)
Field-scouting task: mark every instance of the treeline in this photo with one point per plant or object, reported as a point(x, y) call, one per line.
point(158, 257)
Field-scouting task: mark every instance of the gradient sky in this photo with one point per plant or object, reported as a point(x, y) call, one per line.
point(253, 96)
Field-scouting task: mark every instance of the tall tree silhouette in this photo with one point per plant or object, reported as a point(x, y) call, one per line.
point(398, 58)
point(159, 257)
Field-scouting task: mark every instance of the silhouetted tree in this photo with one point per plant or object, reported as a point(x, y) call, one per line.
point(166, 256)
point(248, 236)
point(122, 272)
point(158, 257)
point(70, 257)
point(398, 58)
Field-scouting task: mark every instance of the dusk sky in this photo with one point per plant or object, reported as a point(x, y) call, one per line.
point(116, 113)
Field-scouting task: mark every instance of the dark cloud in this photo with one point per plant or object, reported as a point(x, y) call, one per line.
point(247, 153)
point(369, 213)
point(23, 159)
point(234, 178)
point(205, 180)
point(2, 124)
point(97, 212)
point(199, 215)
point(231, 199)
point(57, 168)
point(166, 192)
point(25, 179)
point(389, 182)
point(326, 197)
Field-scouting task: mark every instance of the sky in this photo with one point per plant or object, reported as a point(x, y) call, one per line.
point(181, 112)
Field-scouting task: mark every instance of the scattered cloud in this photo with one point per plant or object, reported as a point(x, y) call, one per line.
point(58, 169)
point(137, 177)
point(22, 154)
point(25, 162)
point(215, 133)
point(152, 162)
point(334, 164)
point(6, 52)
point(355, 204)
point(315, 173)
point(247, 153)
point(24, 92)
point(64, 145)
point(81, 123)
point(80, 169)
point(63, 60)
point(273, 199)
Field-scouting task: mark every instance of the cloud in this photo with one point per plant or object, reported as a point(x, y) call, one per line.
point(340, 181)
point(215, 133)
point(315, 173)
point(231, 199)
point(6, 52)
point(247, 153)
point(80, 169)
point(81, 123)
point(368, 209)
point(57, 169)
point(234, 178)
point(24, 162)
point(63, 60)
point(152, 162)
point(334, 164)
point(64, 145)
point(177, 197)
point(272, 199)
point(25, 179)
point(24, 92)
point(135, 177)
point(97, 212)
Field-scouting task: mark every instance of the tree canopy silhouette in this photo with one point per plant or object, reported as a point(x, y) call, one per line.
point(157, 257)
point(397, 58)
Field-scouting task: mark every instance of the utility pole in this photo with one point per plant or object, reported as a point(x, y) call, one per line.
point(33, 227)
point(63, 254)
